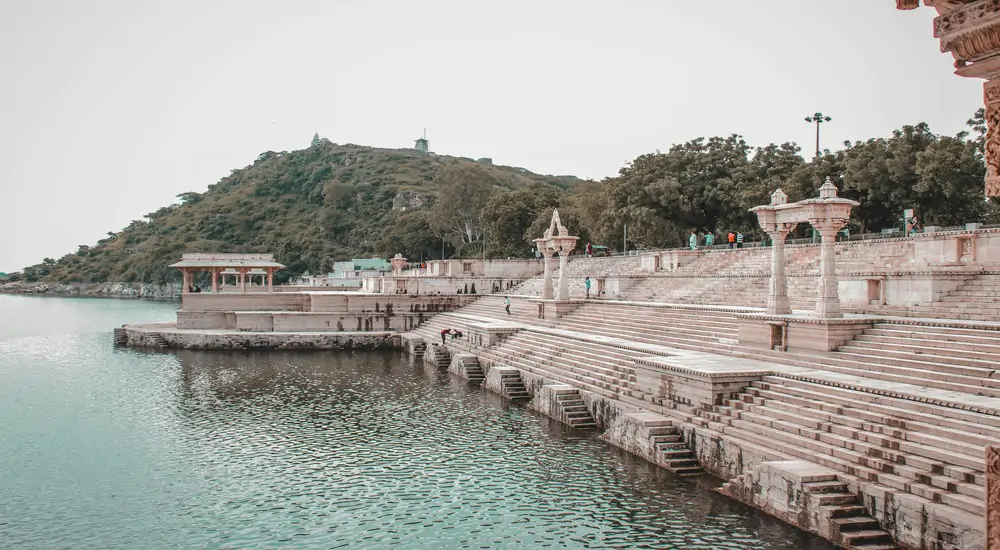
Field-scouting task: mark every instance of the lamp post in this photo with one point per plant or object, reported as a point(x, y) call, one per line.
point(818, 118)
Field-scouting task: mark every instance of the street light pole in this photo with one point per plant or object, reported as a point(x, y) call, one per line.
point(818, 118)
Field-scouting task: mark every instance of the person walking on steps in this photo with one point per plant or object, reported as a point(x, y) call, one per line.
point(506, 304)
point(693, 241)
point(586, 283)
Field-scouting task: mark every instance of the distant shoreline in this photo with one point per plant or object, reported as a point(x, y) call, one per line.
point(120, 291)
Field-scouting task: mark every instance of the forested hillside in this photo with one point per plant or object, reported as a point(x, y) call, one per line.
point(333, 202)
point(309, 207)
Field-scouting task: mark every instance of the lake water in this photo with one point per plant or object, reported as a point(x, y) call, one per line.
point(105, 448)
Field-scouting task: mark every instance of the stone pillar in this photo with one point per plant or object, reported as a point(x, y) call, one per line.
point(992, 532)
point(547, 279)
point(563, 278)
point(991, 98)
point(215, 280)
point(777, 298)
point(828, 300)
point(187, 280)
point(270, 279)
point(243, 281)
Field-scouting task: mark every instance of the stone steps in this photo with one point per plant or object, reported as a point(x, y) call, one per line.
point(512, 387)
point(575, 410)
point(851, 526)
point(674, 453)
point(931, 467)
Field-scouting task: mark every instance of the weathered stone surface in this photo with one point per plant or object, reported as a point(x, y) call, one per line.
point(170, 291)
point(166, 335)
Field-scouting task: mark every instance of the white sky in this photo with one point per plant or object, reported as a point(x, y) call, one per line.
point(110, 108)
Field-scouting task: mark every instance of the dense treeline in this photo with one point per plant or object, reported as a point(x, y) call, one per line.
point(328, 203)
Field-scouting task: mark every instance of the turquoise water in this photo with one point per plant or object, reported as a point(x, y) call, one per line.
point(105, 448)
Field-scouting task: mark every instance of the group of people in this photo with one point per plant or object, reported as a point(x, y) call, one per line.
point(733, 239)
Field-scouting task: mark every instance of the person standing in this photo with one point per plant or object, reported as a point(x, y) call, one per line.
point(709, 239)
point(590, 251)
point(586, 283)
point(739, 240)
point(731, 238)
point(693, 241)
point(506, 304)
point(444, 334)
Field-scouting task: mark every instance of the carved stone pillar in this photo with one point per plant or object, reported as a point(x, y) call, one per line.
point(563, 278)
point(187, 280)
point(991, 98)
point(547, 280)
point(777, 298)
point(992, 498)
point(215, 279)
point(828, 300)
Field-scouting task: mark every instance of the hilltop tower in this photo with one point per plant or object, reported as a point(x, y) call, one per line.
point(421, 144)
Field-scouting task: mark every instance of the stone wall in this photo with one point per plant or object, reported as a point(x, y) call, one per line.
point(434, 285)
point(158, 337)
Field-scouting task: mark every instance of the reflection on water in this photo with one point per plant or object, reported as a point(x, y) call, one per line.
point(125, 449)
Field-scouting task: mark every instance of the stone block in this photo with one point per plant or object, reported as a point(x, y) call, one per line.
point(799, 332)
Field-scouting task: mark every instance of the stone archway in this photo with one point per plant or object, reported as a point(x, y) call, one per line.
point(556, 240)
point(828, 214)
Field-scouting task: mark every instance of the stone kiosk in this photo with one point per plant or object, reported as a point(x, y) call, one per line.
point(556, 240)
point(826, 328)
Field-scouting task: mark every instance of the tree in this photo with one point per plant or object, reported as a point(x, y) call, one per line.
point(463, 190)
point(409, 234)
point(509, 213)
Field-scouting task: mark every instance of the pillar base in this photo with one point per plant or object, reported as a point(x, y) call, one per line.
point(778, 305)
point(829, 309)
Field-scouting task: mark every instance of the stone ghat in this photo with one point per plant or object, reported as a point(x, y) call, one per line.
point(901, 414)
point(166, 335)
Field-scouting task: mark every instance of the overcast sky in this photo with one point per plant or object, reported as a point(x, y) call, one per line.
point(110, 108)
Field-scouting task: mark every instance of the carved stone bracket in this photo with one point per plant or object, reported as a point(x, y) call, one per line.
point(992, 497)
point(970, 31)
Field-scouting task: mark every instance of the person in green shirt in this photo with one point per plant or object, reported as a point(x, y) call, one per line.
point(506, 304)
point(709, 240)
point(586, 283)
point(693, 241)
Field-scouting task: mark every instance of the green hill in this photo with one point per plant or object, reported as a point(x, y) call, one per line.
point(310, 208)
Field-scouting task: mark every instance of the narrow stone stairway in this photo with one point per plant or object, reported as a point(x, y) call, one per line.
point(440, 355)
point(157, 341)
point(121, 337)
point(850, 524)
point(674, 452)
point(575, 410)
point(513, 387)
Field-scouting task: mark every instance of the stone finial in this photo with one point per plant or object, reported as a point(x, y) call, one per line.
point(779, 197)
point(556, 228)
point(828, 190)
point(398, 256)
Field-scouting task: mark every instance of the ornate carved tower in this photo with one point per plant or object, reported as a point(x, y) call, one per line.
point(970, 31)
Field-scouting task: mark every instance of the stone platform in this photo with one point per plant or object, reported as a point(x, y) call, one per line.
point(167, 335)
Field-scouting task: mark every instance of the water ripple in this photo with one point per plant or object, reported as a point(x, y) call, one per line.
point(120, 449)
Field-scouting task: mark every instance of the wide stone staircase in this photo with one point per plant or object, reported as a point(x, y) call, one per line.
point(683, 328)
point(913, 450)
point(959, 358)
point(977, 298)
